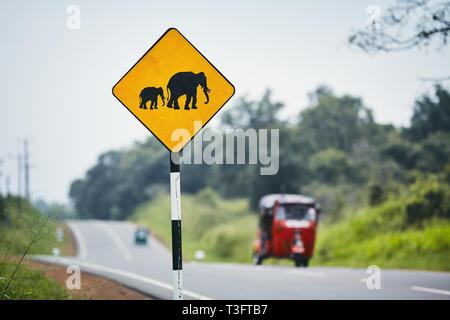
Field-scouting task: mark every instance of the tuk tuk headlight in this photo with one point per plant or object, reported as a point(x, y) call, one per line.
point(312, 214)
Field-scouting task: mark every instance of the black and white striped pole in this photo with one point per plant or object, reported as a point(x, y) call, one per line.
point(175, 208)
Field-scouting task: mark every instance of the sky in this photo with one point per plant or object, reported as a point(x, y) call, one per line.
point(56, 82)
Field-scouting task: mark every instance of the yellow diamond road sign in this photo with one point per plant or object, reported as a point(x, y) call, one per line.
point(173, 86)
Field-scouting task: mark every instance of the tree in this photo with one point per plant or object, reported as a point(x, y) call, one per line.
point(253, 114)
point(425, 145)
point(331, 165)
point(334, 122)
point(120, 181)
point(245, 180)
point(376, 194)
point(431, 114)
point(407, 24)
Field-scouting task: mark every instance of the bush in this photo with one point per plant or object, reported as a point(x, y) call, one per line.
point(21, 225)
point(430, 198)
point(376, 194)
point(28, 284)
point(331, 165)
point(23, 230)
point(411, 230)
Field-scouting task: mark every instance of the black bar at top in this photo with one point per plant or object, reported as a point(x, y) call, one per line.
point(174, 162)
point(177, 262)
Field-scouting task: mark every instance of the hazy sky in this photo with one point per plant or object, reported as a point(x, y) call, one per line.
point(56, 83)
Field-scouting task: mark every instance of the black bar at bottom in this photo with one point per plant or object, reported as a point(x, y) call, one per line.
point(177, 262)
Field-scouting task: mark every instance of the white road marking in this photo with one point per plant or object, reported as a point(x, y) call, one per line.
point(126, 253)
point(430, 290)
point(307, 273)
point(126, 274)
point(82, 251)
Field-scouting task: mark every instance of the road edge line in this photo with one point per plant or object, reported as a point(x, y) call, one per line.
point(430, 290)
point(127, 274)
point(81, 244)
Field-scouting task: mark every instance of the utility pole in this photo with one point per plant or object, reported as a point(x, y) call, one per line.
point(19, 175)
point(8, 185)
point(1, 174)
point(26, 166)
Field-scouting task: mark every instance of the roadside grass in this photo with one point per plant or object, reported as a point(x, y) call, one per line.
point(24, 231)
point(28, 284)
point(382, 236)
point(224, 229)
point(20, 223)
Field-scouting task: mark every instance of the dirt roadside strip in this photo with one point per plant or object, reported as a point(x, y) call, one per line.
point(93, 287)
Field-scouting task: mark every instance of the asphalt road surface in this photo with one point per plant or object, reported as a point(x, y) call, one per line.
point(108, 249)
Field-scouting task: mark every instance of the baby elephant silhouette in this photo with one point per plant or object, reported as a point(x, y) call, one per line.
point(151, 94)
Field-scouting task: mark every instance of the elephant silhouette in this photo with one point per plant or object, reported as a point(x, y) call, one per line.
point(186, 83)
point(151, 94)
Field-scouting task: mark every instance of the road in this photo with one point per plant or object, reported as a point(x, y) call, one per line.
point(107, 249)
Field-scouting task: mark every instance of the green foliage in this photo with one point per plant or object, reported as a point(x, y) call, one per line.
point(428, 155)
point(410, 231)
point(330, 165)
point(254, 114)
point(224, 229)
point(335, 122)
point(120, 180)
point(430, 198)
point(2, 208)
point(435, 152)
point(431, 114)
point(55, 210)
point(426, 248)
point(25, 230)
point(376, 194)
point(29, 284)
point(20, 225)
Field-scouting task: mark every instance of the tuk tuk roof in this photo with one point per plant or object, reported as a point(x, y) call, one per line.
point(269, 200)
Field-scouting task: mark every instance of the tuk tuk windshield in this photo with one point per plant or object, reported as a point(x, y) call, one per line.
point(294, 211)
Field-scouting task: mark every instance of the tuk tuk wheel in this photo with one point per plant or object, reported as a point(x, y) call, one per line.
point(301, 261)
point(257, 259)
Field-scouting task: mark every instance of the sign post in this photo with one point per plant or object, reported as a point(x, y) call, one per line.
point(175, 70)
point(175, 208)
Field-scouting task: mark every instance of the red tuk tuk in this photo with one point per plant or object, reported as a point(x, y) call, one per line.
point(287, 228)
